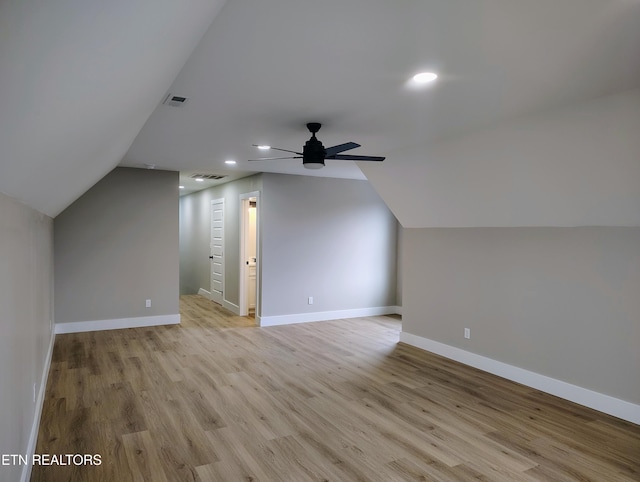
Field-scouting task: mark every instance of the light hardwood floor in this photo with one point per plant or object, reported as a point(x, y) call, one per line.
point(217, 399)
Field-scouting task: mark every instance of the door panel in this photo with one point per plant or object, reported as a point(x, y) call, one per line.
point(217, 250)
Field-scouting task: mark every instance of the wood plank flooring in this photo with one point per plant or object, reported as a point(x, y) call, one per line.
point(218, 399)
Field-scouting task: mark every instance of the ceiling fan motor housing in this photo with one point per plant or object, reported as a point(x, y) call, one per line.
point(313, 154)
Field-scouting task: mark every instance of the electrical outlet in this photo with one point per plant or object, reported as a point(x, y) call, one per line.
point(148, 303)
point(467, 333)
point(310, 300)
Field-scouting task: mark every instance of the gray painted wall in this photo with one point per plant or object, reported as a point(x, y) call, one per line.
point(117, 246)
point(562, 302)
point(333, 239)
point(26, 288)
point(195, 225)
point(399, 258)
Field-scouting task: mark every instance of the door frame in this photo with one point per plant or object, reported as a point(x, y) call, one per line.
point(212, 295)
point(243, 300)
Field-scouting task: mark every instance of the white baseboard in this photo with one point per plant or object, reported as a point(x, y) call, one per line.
point(324, 316)
point(35, 427)
point(232, 307)
point(582, 396)
point(117, 324)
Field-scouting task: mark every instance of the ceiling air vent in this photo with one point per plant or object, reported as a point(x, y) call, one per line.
point(175, 100)
point(207, 176)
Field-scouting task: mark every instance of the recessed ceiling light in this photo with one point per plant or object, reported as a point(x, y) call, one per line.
point(264, 148)
point(229, 161)
point(424, 77)
point(181, 187)
point(199, 179)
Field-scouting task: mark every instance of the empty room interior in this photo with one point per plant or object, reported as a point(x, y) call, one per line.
point(338, 240)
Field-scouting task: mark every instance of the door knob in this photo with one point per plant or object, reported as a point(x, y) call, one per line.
point(210, 257)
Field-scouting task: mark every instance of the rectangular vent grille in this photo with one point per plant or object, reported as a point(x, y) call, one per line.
point(175, 100)
point(207, 176)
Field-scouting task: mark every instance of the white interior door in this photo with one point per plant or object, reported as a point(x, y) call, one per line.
point(251, 255)
point(217, 250)
point(249, 298)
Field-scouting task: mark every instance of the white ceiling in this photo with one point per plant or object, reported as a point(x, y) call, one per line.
point(264, 69)
point(80, 78)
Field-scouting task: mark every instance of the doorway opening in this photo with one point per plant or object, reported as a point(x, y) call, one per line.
point(249, 254)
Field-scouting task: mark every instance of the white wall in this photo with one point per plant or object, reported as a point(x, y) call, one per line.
point(117, 246)
point(577, 166)
point(333, 239)
point(26, 308)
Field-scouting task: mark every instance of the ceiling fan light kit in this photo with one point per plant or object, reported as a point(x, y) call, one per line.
point(314, 154)
point(312, 164)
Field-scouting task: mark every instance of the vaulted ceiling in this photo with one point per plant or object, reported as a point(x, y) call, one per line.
point(83, 84)
point(78, 80)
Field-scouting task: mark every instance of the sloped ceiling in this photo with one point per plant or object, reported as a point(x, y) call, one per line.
point(264, 69)
point(78, 80)
point(572, 166)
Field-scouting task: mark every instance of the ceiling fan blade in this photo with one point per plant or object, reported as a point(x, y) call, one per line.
point(332, 151)
point(274, 158)
point(347, 157)
point(278, 149)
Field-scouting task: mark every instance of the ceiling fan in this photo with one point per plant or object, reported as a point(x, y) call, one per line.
point(314, 154)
